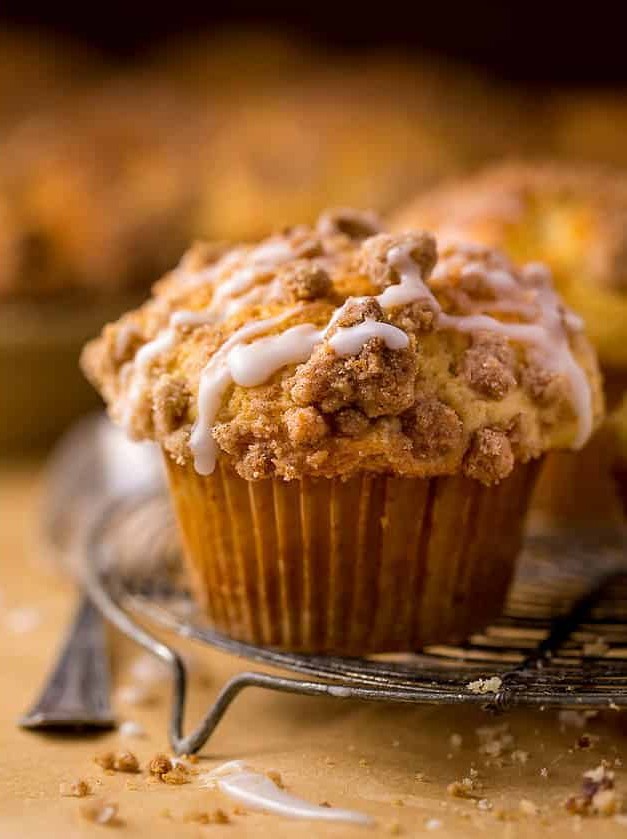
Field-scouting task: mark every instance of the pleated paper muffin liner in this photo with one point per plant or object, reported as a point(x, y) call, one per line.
point(370, 564)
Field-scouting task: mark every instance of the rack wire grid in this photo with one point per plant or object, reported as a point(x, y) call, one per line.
point(561, 641)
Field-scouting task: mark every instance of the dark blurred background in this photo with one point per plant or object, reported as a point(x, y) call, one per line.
point(128, 131)
point(565, 43)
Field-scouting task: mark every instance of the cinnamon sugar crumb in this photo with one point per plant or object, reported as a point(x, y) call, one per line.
point(598, 795)
point(489, 685)
point(75, 789)
point(490, 458)
point(276, 778)
point(176, 776)
point(159, 765)
point(466, 788)
point(105, 760)
point(217, 816)
point(125, 762)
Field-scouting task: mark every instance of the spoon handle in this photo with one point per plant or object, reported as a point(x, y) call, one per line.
point(76, 693)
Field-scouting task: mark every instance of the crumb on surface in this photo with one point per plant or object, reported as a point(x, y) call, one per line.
point(75, 789)
point(276, 778)
point(105, 760)
point(491, 684)
point(125, 762)
point(217, 816)
point(598, 795)
point(468, 787)
point(176, 776)
point(159, 765)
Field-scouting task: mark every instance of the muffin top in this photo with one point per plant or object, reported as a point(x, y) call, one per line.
point(336, 349)
point(572, 218)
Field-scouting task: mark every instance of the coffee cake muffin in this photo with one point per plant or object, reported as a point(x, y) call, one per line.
point(95, 201)
point(351, 426)
point(575, 220)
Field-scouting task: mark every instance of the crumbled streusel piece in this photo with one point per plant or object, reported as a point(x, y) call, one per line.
point(75, 789)
point(374, 258)
point(598, 795)
point(488, 685)
point(176, 776)
point(125, 762)
point(466, 788)
point(276, 778)
point(489, 365)
point(159, 765)
point(105, 760)
point(217, 816)
point(356, 224)
point(303, 280)
point(490, 457)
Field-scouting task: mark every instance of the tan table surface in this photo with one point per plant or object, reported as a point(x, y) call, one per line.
point(363, 756)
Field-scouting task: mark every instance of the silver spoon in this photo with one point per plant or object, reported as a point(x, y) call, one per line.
point(91, 465)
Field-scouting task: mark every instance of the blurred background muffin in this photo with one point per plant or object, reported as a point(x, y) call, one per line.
point(40, 72)
point(366, 134)
point(590, 125)
point(573, 218)
point(121, 145)
point(95, 196)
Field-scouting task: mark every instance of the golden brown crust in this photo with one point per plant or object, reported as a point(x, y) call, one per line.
point(442, 401)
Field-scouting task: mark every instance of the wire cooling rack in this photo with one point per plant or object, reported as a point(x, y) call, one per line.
point(561, 641)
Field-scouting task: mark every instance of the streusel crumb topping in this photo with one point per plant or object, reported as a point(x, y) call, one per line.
point(572, 218)
point(341, 348)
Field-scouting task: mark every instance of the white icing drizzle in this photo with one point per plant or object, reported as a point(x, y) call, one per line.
point(214, 380)
point(229, 298)
point(548, 335)
point(145, 356)
point(262, 260)
point(252, 363)
point(349, 340)
point(258, 792)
